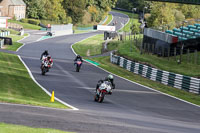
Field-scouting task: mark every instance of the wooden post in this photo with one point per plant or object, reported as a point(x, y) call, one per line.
point(188, 52)
point(140, 47)
point(163, 50)
point(181, 51)
point(195, 58)
point(168, 53)
point(175, 53)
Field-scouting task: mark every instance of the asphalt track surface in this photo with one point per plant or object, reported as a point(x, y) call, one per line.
point(130, 109)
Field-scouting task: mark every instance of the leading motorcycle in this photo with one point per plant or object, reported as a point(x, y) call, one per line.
point(104, 88)
point(78, 64)
point(45, 67)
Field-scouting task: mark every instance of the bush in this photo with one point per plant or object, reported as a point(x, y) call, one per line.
point(24, 20)
point(33, 21)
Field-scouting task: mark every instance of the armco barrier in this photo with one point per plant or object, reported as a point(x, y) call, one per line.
point(5, 33)
point(186, 83)
point(1, 43)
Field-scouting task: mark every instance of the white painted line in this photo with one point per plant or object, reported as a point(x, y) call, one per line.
point(32, 106)
point(138, 83)
point(48, 93)
point(23, 43)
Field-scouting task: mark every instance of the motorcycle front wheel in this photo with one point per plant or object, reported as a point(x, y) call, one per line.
point(96, 98)
point(101, 97)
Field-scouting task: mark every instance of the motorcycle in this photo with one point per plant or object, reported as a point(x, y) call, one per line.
point(104, 88)
point(78, 64)
point(45, 67)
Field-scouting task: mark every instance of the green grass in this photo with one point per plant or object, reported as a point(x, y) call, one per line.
point(90, 46)
point(26, 25)
point(18, 87)
point(16, 44)
point(10, 128)
point(158, 62)
point(11, 31)
point(105, 64)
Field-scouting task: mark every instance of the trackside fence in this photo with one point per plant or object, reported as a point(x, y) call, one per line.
point(186, 83)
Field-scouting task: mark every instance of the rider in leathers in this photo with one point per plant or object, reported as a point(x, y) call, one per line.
point(45, 53)
point(110, 79)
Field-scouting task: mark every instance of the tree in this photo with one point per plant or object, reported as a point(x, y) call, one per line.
point(55, 10)
point(161, 14)
point(75, 9)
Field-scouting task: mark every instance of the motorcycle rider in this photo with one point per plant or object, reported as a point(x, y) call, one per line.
point(78, 58)
point(110, 79)
point(45, 53)
point(49, 62)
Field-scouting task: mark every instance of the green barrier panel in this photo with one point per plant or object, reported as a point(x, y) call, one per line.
point(140, 69)
point(93, 62)
point(171, 78)
point(125, 63)
point(132, 66)
point(159, 75)
point(186, 83)
point(149, 71)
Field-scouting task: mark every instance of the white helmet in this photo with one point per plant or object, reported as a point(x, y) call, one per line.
point(110, 76)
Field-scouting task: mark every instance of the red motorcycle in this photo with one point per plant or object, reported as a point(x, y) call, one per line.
point(104, 88)
point(78, 65)
point(45, 67)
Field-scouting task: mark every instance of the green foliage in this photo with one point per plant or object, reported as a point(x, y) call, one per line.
point(75, 9)
point(135, 28)
point(25, 25)
point(33, 21)
point(68, 11)
point(24, 20)
point(10, 128)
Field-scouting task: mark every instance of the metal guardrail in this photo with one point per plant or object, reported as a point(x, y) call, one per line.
point(1, 43)
point(186, 83)
point(5, 33)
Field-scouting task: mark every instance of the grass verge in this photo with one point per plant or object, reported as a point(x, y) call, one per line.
point(25, 25)
point(10, 128)
point(18, 87)
point(185, 68)
point(90, 46)
point(16, 44)
point(105, 64)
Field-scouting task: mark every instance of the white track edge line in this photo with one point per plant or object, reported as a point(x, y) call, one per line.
point(135, 82)
point(48, 93)
point(23, 43)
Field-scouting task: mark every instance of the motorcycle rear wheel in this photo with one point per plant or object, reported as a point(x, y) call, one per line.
point(77, 68)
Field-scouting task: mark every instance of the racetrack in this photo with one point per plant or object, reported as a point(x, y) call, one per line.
point(131, 108)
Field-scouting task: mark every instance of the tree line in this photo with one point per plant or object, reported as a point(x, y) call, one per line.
point(162, 13)
point(69, 11)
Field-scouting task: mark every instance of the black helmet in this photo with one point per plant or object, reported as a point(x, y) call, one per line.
point(48, 57)
point(78, 56)
point(46, 51)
